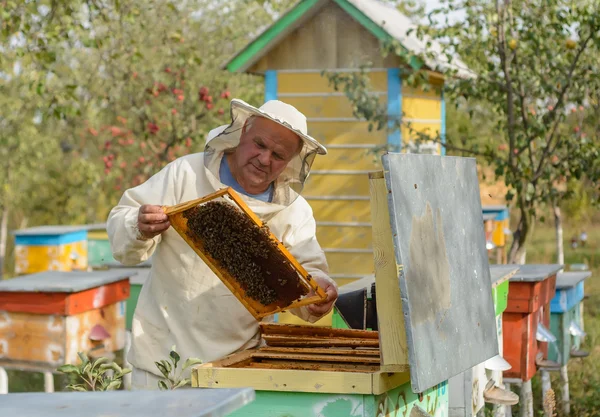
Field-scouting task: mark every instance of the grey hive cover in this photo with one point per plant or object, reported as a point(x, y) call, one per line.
point(444, 275)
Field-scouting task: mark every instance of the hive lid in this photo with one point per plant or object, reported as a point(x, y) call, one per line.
point(571, 279)
point(535, 272)
point(53, 230)
point(63, 281)
point(442, 265)
point(291, 292)
point(501, 273)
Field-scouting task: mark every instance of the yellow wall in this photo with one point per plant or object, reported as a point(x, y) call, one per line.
point(338, 187)
point(32, 259)
point(340, 200)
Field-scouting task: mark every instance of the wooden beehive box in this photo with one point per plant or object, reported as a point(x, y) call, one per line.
point(51, 248)
point(46, 318)
point(346, 361)
point(566, 322)
point(286, 280)
point(530, 291)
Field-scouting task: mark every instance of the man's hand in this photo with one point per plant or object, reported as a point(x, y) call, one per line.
point(332, 295)
point(152, 221)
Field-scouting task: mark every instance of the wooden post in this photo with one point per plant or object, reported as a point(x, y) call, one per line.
point(546, 387)
point(507, 408)
point(564, 379)
point(48, 382)
point(3, 381)
point(526, 400)
point(392, 334)
point(126, 364)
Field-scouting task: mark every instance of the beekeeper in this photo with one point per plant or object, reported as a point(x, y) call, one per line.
point(265, 154)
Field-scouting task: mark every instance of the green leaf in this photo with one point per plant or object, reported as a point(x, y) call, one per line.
point(69, 369)
point(175, 356)
point(84, 359)
point(114, 385)
point(79, 388)
point(162, 385)
point(182, 383)
point(191, 362)
point(162, 368)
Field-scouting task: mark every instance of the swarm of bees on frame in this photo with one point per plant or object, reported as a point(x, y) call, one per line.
point(246, 251)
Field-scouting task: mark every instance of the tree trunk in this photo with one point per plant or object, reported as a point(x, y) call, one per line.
point(3, 239)
point(517, 252)
point(560, 250)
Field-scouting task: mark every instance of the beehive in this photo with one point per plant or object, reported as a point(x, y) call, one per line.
point(530, 291)
point(51, 248)
point(262, 273)
point(46, 318)
point(566, 322)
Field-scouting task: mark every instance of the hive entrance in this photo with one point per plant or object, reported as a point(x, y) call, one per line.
point(243, 253)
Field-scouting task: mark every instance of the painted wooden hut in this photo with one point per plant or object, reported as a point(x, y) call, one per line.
point(342, 36)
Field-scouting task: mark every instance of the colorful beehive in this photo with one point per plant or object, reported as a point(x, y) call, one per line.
point(496, 220)
point(51, 248)
point(566, 322)
point(312, 371)
point(99, 251)
point(340, 36)
point(467, 388)
point(46, 318)
point(528, 314)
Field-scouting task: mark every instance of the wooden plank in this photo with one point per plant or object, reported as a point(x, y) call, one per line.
point(232, 359)
point(392, 331)
point(310, 331)
point(421, 108)
point(386, 381)
point(314, 366)
point(350, 263)
point(285, 380)
point(64, 303)
point(35, 338)
point(314, 342)
point(344, 237)
point(315, 357)
point(324, 351)
point(409, 127)
point(324, 106)
point(346, 133)
point(79, 327)
point(348, 160)
point(336, 184)
point(313, 82)
point(339, 210)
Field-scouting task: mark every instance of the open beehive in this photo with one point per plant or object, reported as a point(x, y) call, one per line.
point(244, 254)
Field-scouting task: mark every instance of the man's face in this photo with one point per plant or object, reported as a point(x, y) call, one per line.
point(264, 151)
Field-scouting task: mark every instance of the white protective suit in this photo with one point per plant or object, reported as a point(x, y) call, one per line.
point(183, 303)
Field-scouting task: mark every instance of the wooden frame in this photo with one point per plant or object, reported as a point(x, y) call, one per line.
point(258, 310)
point(300, 370)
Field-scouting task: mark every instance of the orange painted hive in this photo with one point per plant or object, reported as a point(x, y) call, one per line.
point(46, 318)
point(530, 291)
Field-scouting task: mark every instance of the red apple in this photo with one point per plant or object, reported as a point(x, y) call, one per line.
point(180, 97)
point(221, 112)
